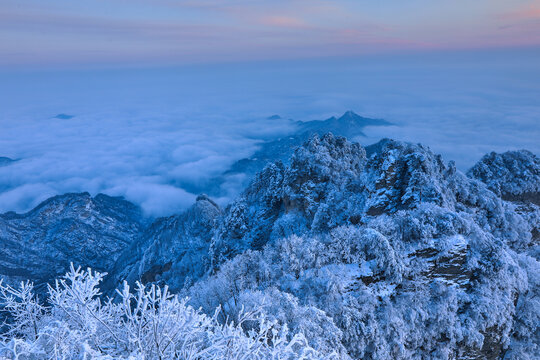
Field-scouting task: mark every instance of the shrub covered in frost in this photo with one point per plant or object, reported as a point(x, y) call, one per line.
point(146, 323)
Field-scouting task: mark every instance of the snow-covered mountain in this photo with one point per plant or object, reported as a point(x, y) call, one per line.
point(172, 250)
point(90, 231)
point(378, 252)
point(384, 226)
point(514, 175)
point(349, 125)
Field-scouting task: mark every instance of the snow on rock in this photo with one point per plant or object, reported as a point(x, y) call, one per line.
point(90, 231)
point(172, 250)
point(513, 175)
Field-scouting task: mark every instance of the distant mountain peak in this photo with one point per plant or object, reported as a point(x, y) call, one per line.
point(63, 116)
point(204, 197)
point(5, 161)
point(350, 124)
point(349, 114)
point(352, 116)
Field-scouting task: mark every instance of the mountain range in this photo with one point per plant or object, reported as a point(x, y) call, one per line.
point(350, 125)
point(375, 252)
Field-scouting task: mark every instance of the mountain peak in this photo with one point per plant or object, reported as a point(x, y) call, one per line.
point(349, 124)
point(5, 161)
point(350, 115)
point(63, 116)
point(204, 197)
point(358, 120)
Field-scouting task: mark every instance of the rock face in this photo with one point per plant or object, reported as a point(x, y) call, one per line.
point(78, 228)
point(173, 250)
point(396, 252)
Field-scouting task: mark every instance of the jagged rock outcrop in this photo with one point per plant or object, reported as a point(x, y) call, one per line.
point(283, 200)
point(88, 231)
point(401, 176)
point(513, 175)
point(331, 182)
point(407, 221)
point(173, 250)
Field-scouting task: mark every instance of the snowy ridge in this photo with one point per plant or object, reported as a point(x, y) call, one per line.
point(91, 231)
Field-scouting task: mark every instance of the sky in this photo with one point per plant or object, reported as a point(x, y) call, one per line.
point(167, 94)
point(142, 32)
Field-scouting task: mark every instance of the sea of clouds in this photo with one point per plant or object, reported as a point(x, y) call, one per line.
point(150, 134)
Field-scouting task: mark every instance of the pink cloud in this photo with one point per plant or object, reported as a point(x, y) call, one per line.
point(531, 11)
point(283, 21)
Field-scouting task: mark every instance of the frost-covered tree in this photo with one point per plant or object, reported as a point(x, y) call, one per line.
point(147, 323)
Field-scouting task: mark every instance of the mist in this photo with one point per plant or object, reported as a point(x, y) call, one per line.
point(148, 134)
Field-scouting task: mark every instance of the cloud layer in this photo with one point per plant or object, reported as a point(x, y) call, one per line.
point(151, 134)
